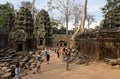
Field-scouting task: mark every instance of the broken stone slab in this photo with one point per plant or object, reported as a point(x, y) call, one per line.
point(32, 66)
point(1, 72)
point(25, 59)
point(31, 61)
point(4, 68)
point(3, 64)
point(7, 70)
point(5, 76)
point(113, 62)
point(118, 60)
point(6, 60)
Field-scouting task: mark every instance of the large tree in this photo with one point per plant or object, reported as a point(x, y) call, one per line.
point(90, 19)
point(110, 5)
point(77, 14)
point(81, 27)
point(6, 15)
point(64, 7)
point(112, 13)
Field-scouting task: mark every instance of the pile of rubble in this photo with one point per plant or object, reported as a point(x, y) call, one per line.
point(9, 57)
point(81, 58)
point(85, 59)
point(112, 62)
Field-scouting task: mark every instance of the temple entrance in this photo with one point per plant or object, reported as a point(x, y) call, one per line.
point(29, 44)
point(41, 41)
point(61, 43)
point(65, 44)
point(19, 47)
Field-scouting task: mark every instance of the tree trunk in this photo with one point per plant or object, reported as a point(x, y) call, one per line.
point(84, 17)
point(67, 25)
point(81, 27)
point(66, 15)
point(33, 8)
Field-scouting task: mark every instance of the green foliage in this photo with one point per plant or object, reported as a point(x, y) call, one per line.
point(6, 14)
point(110, 5)
point(55, 30)
point(111, 12)
point(62, 30)
point(71, 32)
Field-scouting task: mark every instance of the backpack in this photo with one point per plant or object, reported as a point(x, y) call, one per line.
point(13, 72)
point(46, 53)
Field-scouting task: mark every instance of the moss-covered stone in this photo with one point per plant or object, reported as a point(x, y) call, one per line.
point(21, 37)
point(43, 29)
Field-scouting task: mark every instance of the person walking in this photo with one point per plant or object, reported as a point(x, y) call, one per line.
point(17, 71)
point(39, 61)
point(67, 58)
point(47, 55)
point(58, 52)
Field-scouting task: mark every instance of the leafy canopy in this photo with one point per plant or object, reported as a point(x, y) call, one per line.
point(5, 10)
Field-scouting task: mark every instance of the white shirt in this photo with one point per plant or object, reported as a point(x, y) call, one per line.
point(17, 71)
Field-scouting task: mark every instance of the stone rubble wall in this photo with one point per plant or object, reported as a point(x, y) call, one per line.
point(9, 57)
point(100, 45)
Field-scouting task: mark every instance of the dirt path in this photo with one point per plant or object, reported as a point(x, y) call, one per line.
point(56, 70)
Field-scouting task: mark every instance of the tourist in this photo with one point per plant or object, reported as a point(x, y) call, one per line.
point(73, 50)
point(63, 53)
point(58, 52)
point(36, 55)
point(67, 58)
point(47, 55)
point(17, 71)
point(76, 51)
point(39, 61)
point(13, 71)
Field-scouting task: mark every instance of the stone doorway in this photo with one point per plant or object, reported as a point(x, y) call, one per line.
point(41, 41)
point(65, 44)
point(61, 43)
point(19, 47)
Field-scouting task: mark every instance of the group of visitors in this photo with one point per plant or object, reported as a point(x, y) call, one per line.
point(42, 55)
point(65, 54)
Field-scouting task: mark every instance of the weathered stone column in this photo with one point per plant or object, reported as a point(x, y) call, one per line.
point(97, 57)
point(118, 50)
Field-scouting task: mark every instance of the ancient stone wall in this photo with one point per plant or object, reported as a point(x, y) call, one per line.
point(43, 29)
point(3, 38)
point(100, 45)
point(60, 40)
point(21, 37)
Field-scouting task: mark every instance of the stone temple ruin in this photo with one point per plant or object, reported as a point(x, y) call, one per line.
point(24, 37)
point(4, 32)
point(43, 29)
point(21, 36)
point(60, 40)
point(99, 45)
point(21, 40)
point(104, 43)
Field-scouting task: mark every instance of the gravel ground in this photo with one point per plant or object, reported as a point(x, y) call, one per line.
point(56, 70)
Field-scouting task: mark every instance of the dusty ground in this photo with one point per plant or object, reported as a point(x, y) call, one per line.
point(56, 70)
